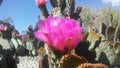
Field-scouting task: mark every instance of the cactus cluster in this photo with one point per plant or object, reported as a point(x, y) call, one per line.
point(101, 42)
point(101, 34)
point(105, 53)
point(62, 8)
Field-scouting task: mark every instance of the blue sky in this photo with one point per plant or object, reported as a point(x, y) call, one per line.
point(25, 12)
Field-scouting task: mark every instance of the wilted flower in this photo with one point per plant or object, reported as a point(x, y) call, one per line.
point(3, 27)
point(61, 34)
point(40, 2)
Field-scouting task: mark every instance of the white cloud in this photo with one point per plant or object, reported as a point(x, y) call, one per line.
point(113, 2)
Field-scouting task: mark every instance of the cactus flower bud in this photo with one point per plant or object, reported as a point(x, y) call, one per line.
point(40, 2)
point(3, 27)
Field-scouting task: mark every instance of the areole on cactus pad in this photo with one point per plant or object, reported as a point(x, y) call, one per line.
point(61, 34)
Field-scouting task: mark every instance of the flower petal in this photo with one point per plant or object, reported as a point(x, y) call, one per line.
point(41, 36)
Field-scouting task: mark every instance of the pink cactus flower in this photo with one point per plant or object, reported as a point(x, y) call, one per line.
point(19, 35)
point(3, 27)
point(40, 2)
point(61, 34)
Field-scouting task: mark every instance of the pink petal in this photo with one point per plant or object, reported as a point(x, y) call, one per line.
point(41, 36)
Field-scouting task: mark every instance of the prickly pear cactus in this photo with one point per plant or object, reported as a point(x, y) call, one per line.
point(71, 61)
point(94, 39)
point(109, 54)
point(117, 47)
point(110, 33)
point(90, 36)
point(90, 65)
point(70, 7)
point(27, 62)
point(61, 8)
point(107, 51)
point(4, 43)
point(44, 11)
point(106, 54)
point(56, 12)
point(117, 52)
